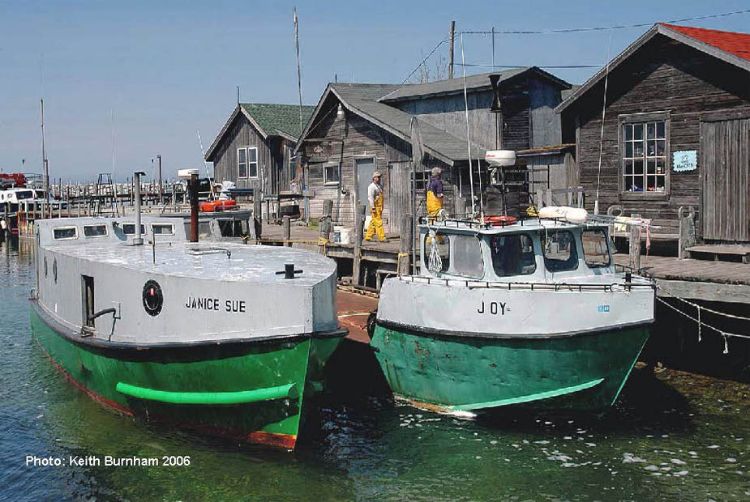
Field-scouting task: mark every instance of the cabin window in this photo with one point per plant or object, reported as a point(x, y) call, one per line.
point(595, 248)
point(331, 173)
point(129, 229)
point(559, 247)
point(467, 256)
point(95, 230)
point(644, 156)
point(441, 245)
point(62, 233)
point(162, 229)
point(512, 254)
point(247, 162)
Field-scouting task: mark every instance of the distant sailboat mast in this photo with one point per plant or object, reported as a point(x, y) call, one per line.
point(45, 163)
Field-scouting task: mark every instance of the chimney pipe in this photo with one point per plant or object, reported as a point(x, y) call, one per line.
point(138, 239)
point(193, 187)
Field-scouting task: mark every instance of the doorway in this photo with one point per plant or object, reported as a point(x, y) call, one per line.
point(87, 286)
point(725, 179)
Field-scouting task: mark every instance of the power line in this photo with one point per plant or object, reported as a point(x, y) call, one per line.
point(604, 28)
point(557, 67)
point(424, 60)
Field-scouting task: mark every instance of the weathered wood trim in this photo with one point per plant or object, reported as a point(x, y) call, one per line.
point(707, 291)
point(728, 114)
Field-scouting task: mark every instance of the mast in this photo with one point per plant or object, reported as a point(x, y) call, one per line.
point(45, 163)
point(299, 72)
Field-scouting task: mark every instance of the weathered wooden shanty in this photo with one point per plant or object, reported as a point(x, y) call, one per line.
point(359, 128)
point(255, 147)
point(676, 131)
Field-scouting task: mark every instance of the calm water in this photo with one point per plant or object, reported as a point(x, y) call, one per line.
point(674, 436)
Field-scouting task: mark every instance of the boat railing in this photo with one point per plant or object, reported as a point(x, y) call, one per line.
point(527, 286)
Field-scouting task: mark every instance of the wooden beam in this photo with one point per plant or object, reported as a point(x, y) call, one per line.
point(706, 291)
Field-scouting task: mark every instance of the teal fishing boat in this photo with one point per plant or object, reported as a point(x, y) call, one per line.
point(219, 337)
point(528, 312)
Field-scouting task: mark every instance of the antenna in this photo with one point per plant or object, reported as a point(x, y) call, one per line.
point(299, 72)
point(238, 94)
point(601, 131)
point(45, 162)
point(468, 139)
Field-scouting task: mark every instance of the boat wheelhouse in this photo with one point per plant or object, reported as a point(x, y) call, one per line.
point(220, 337)
point(527, 313)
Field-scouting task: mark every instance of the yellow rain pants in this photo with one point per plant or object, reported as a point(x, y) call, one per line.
point(376, 222)
point(434, 204)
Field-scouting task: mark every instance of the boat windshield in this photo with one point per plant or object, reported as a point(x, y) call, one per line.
point(595, 248)
point(559, 247)
point(512, 254)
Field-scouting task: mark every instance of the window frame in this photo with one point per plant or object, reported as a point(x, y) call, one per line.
point(106, 231)
point(247, 163)
point(574, 243)
point(327, 165)
point(425, 253)
point(452, 251)
point(604, 232)
point(529, 236)
point(644, 118)
point(74, 228)
point(170, 225)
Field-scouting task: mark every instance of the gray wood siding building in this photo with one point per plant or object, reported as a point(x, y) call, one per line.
point(255, 147)
point(357, 128)
point(674, 94)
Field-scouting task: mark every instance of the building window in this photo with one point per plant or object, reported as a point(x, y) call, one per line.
point(331, 173)
point(645, 156)
point(247, 162)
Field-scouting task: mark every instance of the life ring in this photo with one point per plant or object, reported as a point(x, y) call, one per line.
point(499, 220)
point(217, 205)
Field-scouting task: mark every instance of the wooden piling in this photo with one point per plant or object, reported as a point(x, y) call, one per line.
point(257, 217)
point(405, 245)
point(325, 225)
point(635, 245)
point(287, 226)
point(359, 220)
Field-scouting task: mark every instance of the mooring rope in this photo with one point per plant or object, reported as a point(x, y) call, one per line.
point(725, 334)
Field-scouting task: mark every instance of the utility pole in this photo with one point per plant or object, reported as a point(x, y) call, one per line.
point(450, 49)
point(493, 48)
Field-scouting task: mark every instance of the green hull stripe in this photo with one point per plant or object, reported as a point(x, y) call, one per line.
point(209, 398)
point(530, 397)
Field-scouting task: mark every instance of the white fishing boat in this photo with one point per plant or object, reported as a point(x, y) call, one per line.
point(527, 312)
point(220, 337)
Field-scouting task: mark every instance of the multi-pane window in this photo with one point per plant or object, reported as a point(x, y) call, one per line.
point(331, 173)
point(247, 162)
point(645, 156)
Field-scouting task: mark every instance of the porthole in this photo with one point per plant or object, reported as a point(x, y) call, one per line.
point(152, 298)
point(54, 269)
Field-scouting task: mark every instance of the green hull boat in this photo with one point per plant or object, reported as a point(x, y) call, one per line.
point(583, 372)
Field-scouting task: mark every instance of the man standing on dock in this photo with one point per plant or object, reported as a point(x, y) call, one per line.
point(375, 198)
point(435, 193)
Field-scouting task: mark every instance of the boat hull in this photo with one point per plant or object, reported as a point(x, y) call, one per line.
point(578, 372)
point(253, 391)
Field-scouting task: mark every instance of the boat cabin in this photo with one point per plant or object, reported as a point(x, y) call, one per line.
point(528, 251)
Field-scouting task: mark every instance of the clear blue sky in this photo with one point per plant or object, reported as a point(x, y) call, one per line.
point(165, 70)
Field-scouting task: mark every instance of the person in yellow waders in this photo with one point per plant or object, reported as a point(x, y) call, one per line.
point(435, 193)
point(375, 198)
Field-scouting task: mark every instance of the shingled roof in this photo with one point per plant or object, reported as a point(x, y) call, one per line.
point(728, 46)
point(364, 100)
point(268, 119)
point(480, 81)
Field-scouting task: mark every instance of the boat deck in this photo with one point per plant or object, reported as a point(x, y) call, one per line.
point(217, 261)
